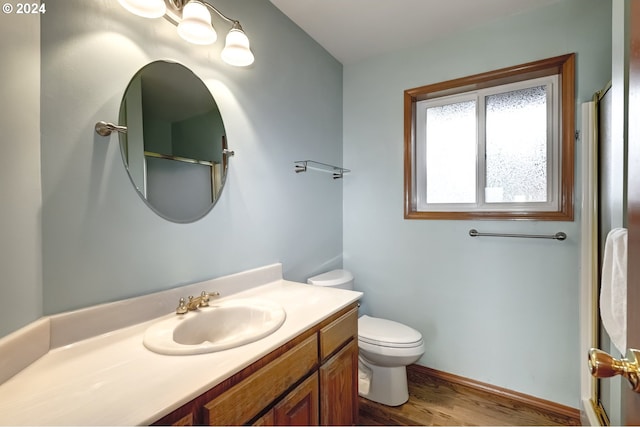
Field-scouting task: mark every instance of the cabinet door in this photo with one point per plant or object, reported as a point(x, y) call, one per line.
point(267, 419)
point(339, 385)
point(300, 406)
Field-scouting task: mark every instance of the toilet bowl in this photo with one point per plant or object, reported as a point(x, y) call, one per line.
point(385, 349)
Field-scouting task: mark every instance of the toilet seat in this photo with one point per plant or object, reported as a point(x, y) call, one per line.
point(387, 333)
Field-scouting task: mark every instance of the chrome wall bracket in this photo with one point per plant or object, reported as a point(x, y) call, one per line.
point(106, 129)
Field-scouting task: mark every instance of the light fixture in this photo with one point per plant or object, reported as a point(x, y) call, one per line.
point(194, 25)
point(145, 8)
point(236, 49)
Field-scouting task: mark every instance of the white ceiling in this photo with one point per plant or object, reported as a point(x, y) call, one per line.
point(352, 30)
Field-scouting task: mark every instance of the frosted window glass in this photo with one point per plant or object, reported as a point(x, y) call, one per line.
point(451, 153)
point(516, 146)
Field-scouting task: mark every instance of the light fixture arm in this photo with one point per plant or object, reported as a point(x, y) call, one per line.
point(177, 6)
point(220, 14)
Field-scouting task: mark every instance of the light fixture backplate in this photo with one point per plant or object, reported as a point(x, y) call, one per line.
point(174, 10)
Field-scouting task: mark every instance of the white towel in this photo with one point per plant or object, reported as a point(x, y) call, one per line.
point(613, 288)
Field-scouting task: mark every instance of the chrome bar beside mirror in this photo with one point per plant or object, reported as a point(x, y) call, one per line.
point(106, 129)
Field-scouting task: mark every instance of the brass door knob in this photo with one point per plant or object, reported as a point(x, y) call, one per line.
point(603, 365)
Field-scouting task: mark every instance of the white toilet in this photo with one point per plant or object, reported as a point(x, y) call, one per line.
point(386, 348)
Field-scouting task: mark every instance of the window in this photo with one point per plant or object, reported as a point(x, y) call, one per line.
point(497, 145)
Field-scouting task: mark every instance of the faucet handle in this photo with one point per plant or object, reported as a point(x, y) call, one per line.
point(205, 296)
point(182, 307)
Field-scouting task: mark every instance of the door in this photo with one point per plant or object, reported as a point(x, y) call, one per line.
point(610, 215)
point(629, 404)
point(631, 400)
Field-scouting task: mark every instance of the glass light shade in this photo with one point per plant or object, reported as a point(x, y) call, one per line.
point(236, 50)
point(195, 26)
point(145, 8)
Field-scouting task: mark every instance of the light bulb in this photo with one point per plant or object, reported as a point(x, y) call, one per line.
point(145, 8)
point(195, 26)
point(236, 50)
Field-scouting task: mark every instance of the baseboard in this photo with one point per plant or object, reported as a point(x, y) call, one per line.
point(536, 402)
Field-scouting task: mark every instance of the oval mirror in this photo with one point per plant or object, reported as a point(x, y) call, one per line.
point(175, 142)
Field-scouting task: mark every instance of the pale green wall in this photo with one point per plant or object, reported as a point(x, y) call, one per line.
point(20, 188)
point(501, 311)
point(99, 242)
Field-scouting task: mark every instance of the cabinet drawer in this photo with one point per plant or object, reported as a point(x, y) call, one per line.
point(187, 420)
point(245, 400)
point(336, 333)
point(183, 416)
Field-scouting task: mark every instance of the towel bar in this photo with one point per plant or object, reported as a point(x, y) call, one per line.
point(558, 236)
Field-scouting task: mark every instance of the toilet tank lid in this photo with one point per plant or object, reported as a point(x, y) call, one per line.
point(331, 278)
point(386, 331)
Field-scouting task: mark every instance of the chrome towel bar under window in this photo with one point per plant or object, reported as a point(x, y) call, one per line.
point(558, 236)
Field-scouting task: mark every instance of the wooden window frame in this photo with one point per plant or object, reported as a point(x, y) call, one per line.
point(564, 67)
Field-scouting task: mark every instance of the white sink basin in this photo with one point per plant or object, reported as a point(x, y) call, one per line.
point(221, 326)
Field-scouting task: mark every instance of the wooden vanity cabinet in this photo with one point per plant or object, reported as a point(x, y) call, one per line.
point(339, 371)
point(245, 400)
point(299, 407)
point(339, 384)
point(311, 380)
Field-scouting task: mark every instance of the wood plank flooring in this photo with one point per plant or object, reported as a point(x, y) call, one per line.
point(437, 402)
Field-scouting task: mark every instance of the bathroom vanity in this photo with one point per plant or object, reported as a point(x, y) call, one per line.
point(90, 367)
point(311, 380)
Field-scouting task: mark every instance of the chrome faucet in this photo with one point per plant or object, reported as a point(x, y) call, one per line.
point(195, 303)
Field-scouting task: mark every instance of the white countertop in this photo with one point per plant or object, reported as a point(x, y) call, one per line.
point(112, 379)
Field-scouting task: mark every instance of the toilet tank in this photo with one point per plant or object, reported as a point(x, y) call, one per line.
point(341, 279)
